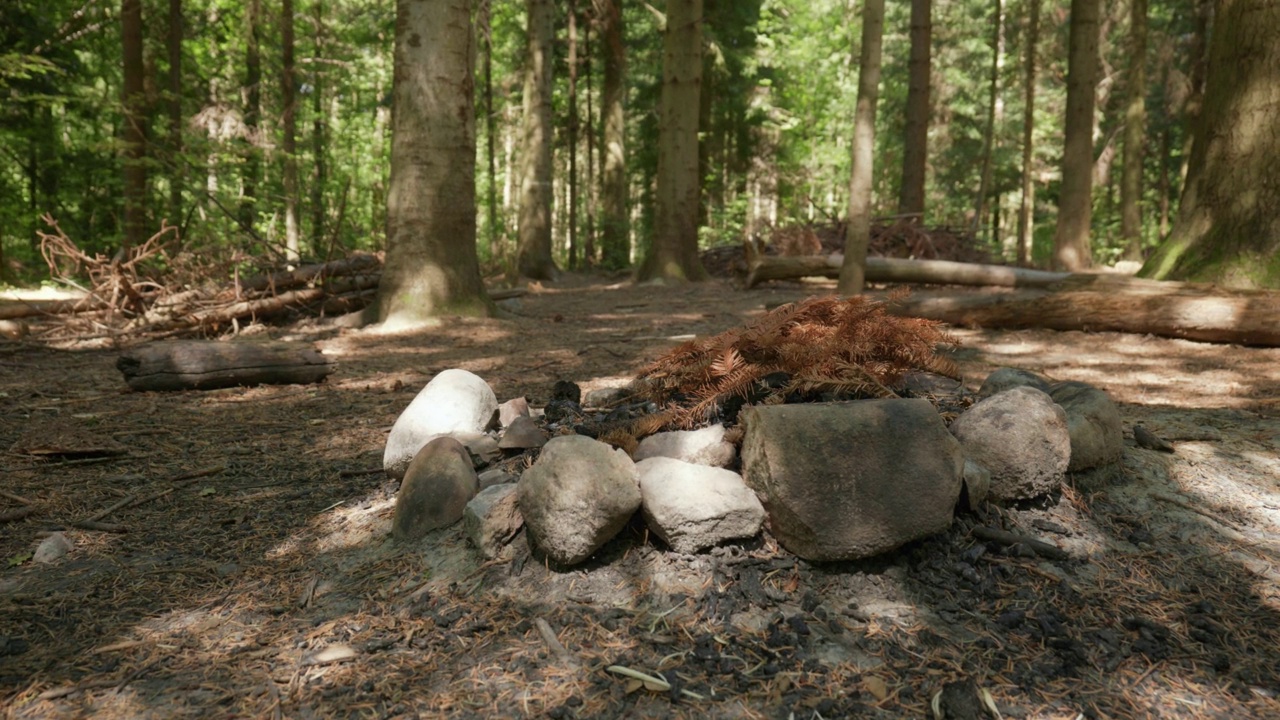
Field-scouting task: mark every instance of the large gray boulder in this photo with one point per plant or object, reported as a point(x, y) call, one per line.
point(706, 446)
point(1093, 421)
point(842, 481)
point(693, 507)
point(576, 497)
point(1020, 436)
point(437, 486)
point(491, 519)
point(455, 401)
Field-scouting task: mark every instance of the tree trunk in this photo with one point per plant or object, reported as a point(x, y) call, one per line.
point(572, 99)
point(1135, 118)
point(173, 42)
point(615, 230)
point(1026, 208)
point(858, 231)
point(319, 141)
point(134, 136)
point(589, 247)
point(289, 122)
point(431, 267)
point(1199, 52)
point(915, 150)
point(491, 196)
point(1098, 303)
point(994, 107)
point(533, 256)
point(673, 249)
point(1228, 225)
point(252, 115)
point(1071, 238)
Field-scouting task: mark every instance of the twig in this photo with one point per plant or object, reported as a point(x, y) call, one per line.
point(549, 637)
point(16, 498)
point(99, 526)
point(16, 513)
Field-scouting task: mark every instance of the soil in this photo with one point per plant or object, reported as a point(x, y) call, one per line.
point(246, 570)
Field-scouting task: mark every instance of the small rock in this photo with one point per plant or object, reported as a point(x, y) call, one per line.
point(977, 483)
point(694, 507)
point(523, 434)
point(576, 497)
point(492, 518)
point(1008, 378)
point(605, 397)
point(482, 446)
point(496, 476)
point(706, 446)
point(52, 549)
point(1020, 436)
point(512, 409)
point(1149, 440)
point(455, 401)
point(436, 488)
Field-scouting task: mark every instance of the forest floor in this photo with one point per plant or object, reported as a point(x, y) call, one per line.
point(268, 588)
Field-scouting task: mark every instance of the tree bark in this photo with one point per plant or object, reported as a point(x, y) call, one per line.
point(1026, 207)
point(173, 44)
point(858, 232)
point(615, 232)
point(897, 270)
point(915, 145)
point(134, 134)
point(319, 141)
point(206, 365)
point(1098, 303)
point(485, 18)
point(431, 267)
point(289, 124)
point(1228, 225)
point(533, 256)
point(252, 115)
point(1071, 238)
point(1135, 118)
point(673, 249)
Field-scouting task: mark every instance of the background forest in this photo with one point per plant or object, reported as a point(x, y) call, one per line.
point(261, 128)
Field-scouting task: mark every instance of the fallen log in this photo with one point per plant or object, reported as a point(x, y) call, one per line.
point(201, 365)
point(898, 270)
point(353, 265)
point(25, 309)
point(1174, 310)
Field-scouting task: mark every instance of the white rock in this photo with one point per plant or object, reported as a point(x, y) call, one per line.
point(1020, 436)
point(52, 549)
point(455, 401)
point(694, 507)
point(706, 446)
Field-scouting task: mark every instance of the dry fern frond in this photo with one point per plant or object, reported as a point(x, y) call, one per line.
point(844, 347)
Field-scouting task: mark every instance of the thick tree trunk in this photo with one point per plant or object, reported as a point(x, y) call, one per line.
point(431, 266)
point(533, 256)
point(173, 44)
point(289, 124)
point(134, 134)
point(615, 231)
point(252, 176)
point(1071, 238)
point(673, 249)
point(1098, 303)
point(858, 232)
point(915, 142)
point(589, 256)
point(485, 19)
point(1026, 207)
point(1228, 225)
point(319, 141)
point(1135, 118)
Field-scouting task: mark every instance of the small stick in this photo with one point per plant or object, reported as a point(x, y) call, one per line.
point(16, 498)
point(553, 642)
point(110, 509)
point(16, 513)
point(99, 526)
point(1004, 537)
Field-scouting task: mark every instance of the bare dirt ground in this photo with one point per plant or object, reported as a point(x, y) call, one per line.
point(266, 586)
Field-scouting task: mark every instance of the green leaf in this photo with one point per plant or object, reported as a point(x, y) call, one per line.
point(20, 558)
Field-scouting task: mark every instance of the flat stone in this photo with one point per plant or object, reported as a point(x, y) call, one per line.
point(1020, 436)
point(706, 446)
point(576, 497)
point(849, 480)
point(455, 401)
point(523, 434)
point(437, 486)
point(693, 507)
point(1093, 421)
point(492, 518)
point(512, 409)
point(496, 476)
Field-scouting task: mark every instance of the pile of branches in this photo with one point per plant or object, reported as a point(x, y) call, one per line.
point(154, 290)
point(824, 348)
